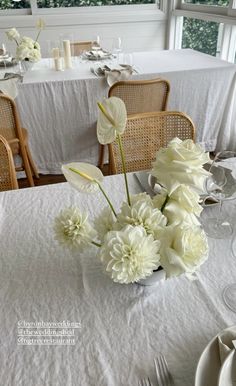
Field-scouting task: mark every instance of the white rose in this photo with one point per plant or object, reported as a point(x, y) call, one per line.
point(183, 206)
point(28, 42)
point(181, 163)
point(34, 55)
point(13, 34)
point(177, 214)
point(183, 249)
point(22, 52)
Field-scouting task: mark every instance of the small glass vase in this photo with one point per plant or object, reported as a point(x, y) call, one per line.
point(153, 279)
point(25, 65)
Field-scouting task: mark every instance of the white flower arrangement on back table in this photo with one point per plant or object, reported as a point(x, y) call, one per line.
point(27, 48)
point(146, 233)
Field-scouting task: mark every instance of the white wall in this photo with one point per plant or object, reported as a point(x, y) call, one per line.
point(140, 29)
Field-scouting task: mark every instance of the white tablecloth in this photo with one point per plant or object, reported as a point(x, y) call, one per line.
point(123, 327)
point(60, 108)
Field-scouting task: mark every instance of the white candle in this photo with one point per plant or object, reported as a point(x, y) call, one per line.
point(67, 54)
point(58, 64)
point(55, 52)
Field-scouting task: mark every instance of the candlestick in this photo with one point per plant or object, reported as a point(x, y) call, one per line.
point(55, 52)
point(67, 54)
point(58, 64)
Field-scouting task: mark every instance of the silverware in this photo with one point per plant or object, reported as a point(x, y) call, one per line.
point(164, 377)
point(142, 179)
point(144, 382)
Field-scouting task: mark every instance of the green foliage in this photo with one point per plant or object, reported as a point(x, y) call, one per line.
point(208, 2)
point(9, 4)
point(200, 35)
point(84, 3)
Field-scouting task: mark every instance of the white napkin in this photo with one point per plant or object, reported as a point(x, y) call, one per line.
point(226, 343)
point(8, 85)
point(116, 75)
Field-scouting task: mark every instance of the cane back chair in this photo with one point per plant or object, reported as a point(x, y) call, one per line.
point(78, 47)
point(144, 135)
point(140, 96)
point(8, 180)
point(16, 136)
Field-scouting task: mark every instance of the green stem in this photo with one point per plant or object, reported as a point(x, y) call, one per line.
point(106, 197)
point(96, 244)
point(165, 202)
point(124, 167)
point(37, 36)
point(16, 42)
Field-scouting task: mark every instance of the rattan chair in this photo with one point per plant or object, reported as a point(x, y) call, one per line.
point(8, 180)
point(140, 96)
point(144, 135)
point(78, 47)
point(16, 136)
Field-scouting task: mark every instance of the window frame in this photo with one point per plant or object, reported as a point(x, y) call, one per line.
point(178, 10)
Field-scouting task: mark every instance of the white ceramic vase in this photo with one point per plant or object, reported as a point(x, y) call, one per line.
point(154, 278)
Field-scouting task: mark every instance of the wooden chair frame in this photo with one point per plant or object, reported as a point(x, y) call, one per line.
point(145, 134)
point(80, 46)
point(19, 144)
point(13, 184)
point(140, 99)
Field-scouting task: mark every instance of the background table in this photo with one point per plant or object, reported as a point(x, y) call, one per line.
point(60, 108)
point(123, 327)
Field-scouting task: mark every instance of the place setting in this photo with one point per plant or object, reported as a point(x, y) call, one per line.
point(217, 363)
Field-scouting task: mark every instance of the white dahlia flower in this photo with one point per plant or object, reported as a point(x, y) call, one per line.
point(130, 254)
point(73, 229)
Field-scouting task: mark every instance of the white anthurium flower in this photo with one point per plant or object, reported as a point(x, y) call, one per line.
point(112, 119)
point(40, 24)
point(183, 249)
point(141, 213)
point(130, 254)
point(12, 34)
point(85, 177)
point(104, 223)
point(181, 162)
point(73, 229)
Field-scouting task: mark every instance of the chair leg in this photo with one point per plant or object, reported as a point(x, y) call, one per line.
point(101, 156)
point(26, 165)
point(31, 162)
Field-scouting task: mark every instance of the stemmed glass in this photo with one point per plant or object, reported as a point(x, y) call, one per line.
point(229, 293)
point(117, 47)
point(221, 185)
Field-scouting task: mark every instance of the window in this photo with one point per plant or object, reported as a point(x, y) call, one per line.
point(205, 25)
point(11, 4)
point(22, 4)
point(201, 35)
point(208, 2)
point(85, 3)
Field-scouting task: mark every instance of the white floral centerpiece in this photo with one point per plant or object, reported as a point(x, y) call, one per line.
point(27, 48)
point(145, 233)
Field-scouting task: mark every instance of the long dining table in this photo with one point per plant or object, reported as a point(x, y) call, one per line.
point(64, 322)
point(59, 108)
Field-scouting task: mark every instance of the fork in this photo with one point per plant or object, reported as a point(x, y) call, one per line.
point(144, 382)
point(164, 377)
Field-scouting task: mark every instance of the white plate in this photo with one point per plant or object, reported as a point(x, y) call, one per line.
point(209, 364)
point(227, 376)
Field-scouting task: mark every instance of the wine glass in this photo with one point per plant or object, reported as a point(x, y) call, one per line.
point(229, 292)
point(221, 185)
point(117, 47)
point(96, 44)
